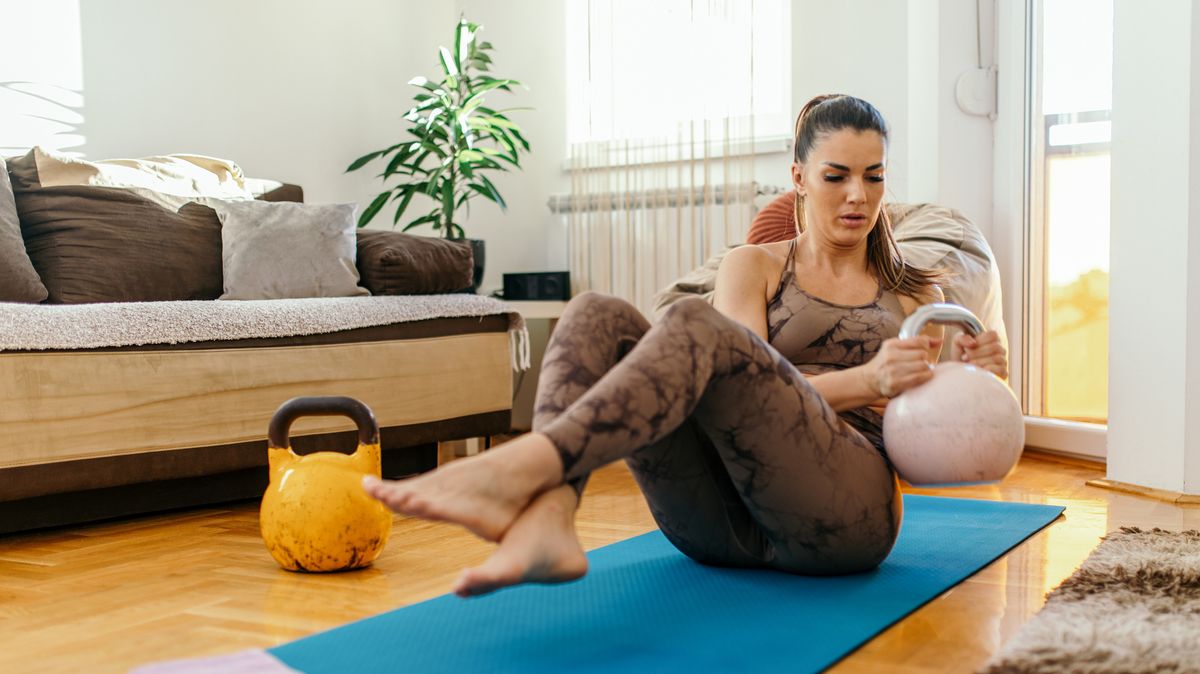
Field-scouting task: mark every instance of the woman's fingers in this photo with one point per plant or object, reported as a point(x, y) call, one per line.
point(902, 375)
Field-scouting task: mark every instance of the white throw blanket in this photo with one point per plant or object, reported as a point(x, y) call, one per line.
point(35, 327)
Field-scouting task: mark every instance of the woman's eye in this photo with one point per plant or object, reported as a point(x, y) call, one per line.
point(830, 178)
point(875, 179)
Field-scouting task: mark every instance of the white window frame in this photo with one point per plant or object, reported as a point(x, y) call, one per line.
point(1016, 246)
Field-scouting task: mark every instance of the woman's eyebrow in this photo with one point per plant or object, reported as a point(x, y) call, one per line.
point(839, 167)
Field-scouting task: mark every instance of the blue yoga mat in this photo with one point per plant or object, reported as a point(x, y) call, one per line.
point(645, 607)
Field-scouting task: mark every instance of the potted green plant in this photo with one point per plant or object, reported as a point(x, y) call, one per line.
point(454, 142)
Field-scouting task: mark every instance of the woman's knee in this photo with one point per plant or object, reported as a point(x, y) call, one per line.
point(590, 302)
point(689, 310)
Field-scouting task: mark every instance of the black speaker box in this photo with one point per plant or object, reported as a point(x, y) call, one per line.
point(541, 285)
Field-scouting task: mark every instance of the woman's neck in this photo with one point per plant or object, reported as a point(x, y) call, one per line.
point(829, 259)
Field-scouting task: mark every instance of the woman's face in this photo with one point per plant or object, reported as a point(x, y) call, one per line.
point(842, 182)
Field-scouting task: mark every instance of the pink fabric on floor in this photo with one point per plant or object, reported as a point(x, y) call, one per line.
point(242, 662)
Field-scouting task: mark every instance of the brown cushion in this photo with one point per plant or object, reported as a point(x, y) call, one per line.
point(776, 221)
point(105, 244)
point(285, 192)
point(19, 281)
point(394, 263)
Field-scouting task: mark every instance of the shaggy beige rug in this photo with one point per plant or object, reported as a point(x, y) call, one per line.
point(1133, 606)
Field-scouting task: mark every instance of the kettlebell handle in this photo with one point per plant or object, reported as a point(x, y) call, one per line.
point(940, 312)
point(322, 406)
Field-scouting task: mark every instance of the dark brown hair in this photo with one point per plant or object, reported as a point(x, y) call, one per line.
point(833, 112)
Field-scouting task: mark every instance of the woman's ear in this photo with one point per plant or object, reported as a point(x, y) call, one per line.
point(798, 178)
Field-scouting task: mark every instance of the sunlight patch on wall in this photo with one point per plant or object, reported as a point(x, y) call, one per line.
point(41, 76)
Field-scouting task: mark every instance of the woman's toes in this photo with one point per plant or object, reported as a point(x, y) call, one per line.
point(476, 582)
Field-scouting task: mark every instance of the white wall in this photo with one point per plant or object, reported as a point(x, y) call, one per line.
point(1154, 295)
point(530, 46)
point(905, 57)
point(292, 91)
point(858, 48)
point(964, 152)
point(296, 90)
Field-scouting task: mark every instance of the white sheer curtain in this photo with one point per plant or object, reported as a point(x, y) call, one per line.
point(667, 100)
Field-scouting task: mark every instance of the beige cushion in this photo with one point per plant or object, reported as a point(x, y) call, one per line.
point(936, 237)
point(169, 180)
point(19, 281)
point(277, 250)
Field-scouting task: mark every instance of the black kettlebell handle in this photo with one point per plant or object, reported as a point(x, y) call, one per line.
point(322, 406)
point(940, 312)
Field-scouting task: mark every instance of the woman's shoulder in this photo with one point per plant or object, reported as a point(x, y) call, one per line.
point(755, 265)
point(755, 255)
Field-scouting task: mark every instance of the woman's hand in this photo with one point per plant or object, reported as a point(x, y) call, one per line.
point(983, 351)
point(900, 365)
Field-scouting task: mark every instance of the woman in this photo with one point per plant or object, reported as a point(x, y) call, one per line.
point(748, 424)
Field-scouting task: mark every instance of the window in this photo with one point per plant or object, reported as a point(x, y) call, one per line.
point(1069, 210)
point(641, 69)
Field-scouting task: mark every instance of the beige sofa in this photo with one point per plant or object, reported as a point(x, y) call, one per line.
point(99, 431)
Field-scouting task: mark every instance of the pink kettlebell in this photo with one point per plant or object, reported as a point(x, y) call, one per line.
point(964, 426)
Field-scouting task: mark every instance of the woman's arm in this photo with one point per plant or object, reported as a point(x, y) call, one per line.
point(743, 282)
point(876, 382)
point(741, 292)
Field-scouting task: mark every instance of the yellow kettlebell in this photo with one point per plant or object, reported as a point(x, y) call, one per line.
point(315, 515)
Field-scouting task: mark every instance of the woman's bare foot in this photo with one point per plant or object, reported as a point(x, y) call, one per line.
point(540, 547)
point(483, 493)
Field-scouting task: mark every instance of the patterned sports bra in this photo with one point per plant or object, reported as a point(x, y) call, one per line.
point(819, 336)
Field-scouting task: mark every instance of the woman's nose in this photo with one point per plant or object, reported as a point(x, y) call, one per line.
point(856, 192)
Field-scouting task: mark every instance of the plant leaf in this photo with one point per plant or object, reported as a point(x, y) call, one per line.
point(435, 175)
point(486, 87)
point(464, 40)
point(401, 161)
point(449, 65)
point(495, 192)
point(448, 198)
point(403, 205)
point(373, 208)
point(364, 160)
point(431, 217)
point(433, 147)
point(521, 139)
point(482, 190)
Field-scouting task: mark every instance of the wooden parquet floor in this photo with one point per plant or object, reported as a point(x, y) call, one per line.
point(108, 597)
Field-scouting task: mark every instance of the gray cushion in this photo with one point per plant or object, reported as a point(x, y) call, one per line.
point(19, 281)
point(286, 250)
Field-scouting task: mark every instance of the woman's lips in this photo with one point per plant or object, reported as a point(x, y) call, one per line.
point(853, 220)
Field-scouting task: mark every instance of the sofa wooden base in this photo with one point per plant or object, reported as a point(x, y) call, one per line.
point(95, 505)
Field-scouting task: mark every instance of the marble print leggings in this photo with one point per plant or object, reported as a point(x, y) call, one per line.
point(741, 461)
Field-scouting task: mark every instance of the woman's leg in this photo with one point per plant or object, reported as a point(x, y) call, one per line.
point(687, 488)
point(594, 334)
point(486, 493)
point(821, 498)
